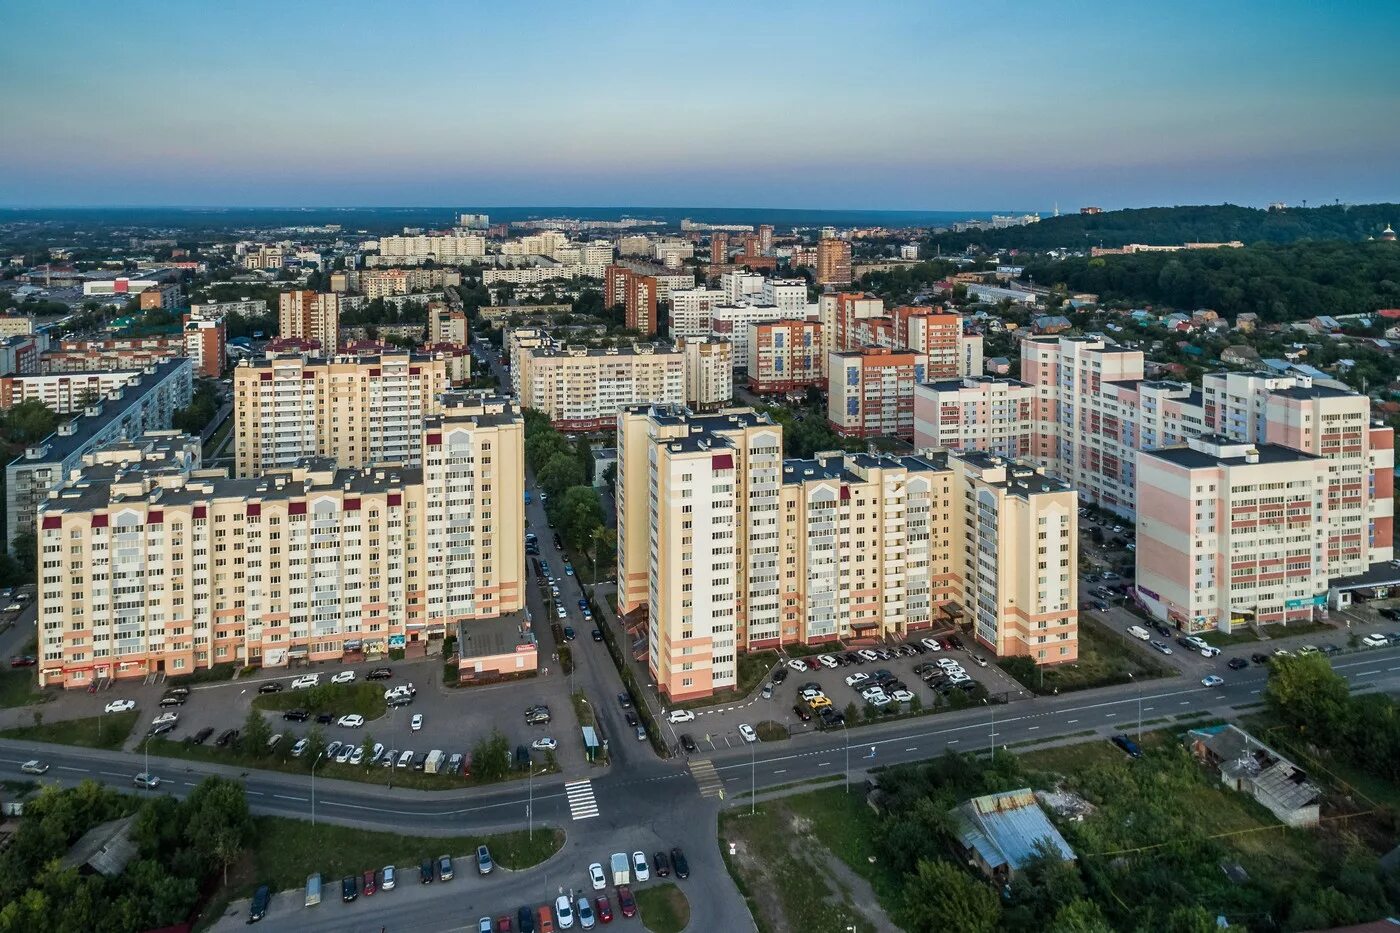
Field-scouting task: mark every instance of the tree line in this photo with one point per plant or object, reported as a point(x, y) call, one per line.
point(1168, 226)
point(180, 846)
point(1277, 282)
point(1317, 708)
point(563, 471)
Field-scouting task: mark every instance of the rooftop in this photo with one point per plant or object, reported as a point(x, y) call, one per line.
point(1005, 828)
point(481, 638)
point(1192, 458)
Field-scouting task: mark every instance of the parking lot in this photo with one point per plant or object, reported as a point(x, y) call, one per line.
point(448, 719)
point(902, 666)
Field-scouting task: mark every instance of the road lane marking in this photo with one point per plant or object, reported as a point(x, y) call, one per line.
point(66, 768)
point(286, 797)
point(706, 777)
point(912, 748)
point(1072, 721)
point(781, 771)
point(1032, 728)
point(823, 764)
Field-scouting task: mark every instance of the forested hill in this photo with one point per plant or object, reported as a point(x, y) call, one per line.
point(1166, 226)
point(1278, 282)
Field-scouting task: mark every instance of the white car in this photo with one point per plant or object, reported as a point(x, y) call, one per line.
point(871, 693)
point(856, 678)
point(34, 766)
point(931, 644)
point(546, 744)
point(868, 654)
point(344, 677)
point(639, 866)
point(343, 755)
point(561, 612)
point(828, 662)
point(880, 700)
point(1212, 681)
point(811, 693)
point(394, 693)
point(595, 875)
point(958, 677)
point(351, 721)
point(358, 755)
point(747, 732)
point(334, 747)
point(1374, 640)
point(901, 696)
point(120, 706)
point(564, 912)
point(680, 715)
point(946, 663)
point(416, 722)
point(300, 748)
point(165, 717)
point(306, 681)
point(797, 664)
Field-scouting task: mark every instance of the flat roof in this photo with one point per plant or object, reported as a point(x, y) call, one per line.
point(480, 638)
point(1191, 458)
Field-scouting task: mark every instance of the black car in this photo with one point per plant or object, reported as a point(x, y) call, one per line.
point(1128, 745)
point(226, 737)
point(1391, 614)
point(810, 685)
point(597, 634)
point(569, 633)
point(660, 866)
point(425, 871)
point(296, 715)
point(955, 641)
point(1237, 664)
point(261, 899)
point(1186, 643)
point(325, 719)
point(272, 686)
point(802, 713)
point(525, 920)
point(177, 691)
point(558, 541)
point(687, 742)
point(624, 701)
point(173, 700)
point(1258, 658)
point(780, 675)
point(631, 719)
point(679, 863)
point(1330, 649)
point(1162, 630)
point(161, 729)
point(202, 736)
point(349, 888)
point(380, 673)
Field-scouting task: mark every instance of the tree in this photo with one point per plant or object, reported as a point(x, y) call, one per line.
point(1305, 692)
point(1079, 916)
point(256, 733)
point(941, 897)
point(219, 823)
point(559, 473)
point(491, 757)
point(578, 513)
point(1192, 919)
point(27, 422)
point(315, 744)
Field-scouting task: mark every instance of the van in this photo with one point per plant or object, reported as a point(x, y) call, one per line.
point(261, 899)
point(313, 889)
point(1140, 633)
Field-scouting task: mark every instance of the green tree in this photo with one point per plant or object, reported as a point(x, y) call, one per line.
point(941, 897)
point(27, 422)
point(256, 733)
point(220, 823)
point(577, 514)
point(1079, 916)
point(1305, 692)
point(315, 744)
point(491, 757)
point(559, 473)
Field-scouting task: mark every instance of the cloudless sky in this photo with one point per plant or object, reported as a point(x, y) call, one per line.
point(922, 105)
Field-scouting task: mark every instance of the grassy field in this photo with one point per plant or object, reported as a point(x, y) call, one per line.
point(782, 861)
point(109, 731)
point(365, 698)
point(20, 688)
point(663, 908)
point(1104, 658)
point(285, 852)
point(752, 668)
point(1246, 636)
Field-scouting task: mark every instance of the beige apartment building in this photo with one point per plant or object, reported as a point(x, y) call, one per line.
point(709, 372)
point(308, 315)
point(151, 565)
point(447, 326)
point(724, 547)
point(357, 410)
point(582, 389)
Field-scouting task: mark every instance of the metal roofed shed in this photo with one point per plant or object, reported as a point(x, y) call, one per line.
point(105, 849)
point(1001, 832)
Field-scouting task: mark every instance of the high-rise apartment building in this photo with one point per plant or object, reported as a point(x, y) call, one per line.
point(719, 248)
point(765, 239)
point(731, 321)
point(446, 250)
point(691, 310)
point(787, 295)
point(150, 565)
point(870, 392)
point(833, 262)
point(636, 292)
point(785, 356)
point(206, 344)
point(723, 547)
point(985, 413)
point(582, 389)
point(357, 410)
point(308, 315)
point(447, 326)
point(709, 372)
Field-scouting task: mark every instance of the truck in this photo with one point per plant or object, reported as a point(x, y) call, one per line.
point(1138, 632)
point(313, 889)
point(621, 868)
point(433, 763)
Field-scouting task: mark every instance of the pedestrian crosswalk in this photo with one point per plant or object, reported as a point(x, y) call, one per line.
point(706, 777)
point(582, 805)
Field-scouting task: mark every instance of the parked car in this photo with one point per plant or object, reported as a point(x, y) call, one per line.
point(747, 732)
point(344, 677)
point(802, 712)
point(306, 681)
point(296, 715)
point(680, 715)
point(1237, 664)
point(389, 878)
point(626, 903)
point(604, 908)
point(368, 883)
point(545, 744)
point(349, 889)
point(380, 673)
point(416, 723)
point(262, 897)
point(425, 871)
point(272, 686)
point(639, 866)
point(1128, 745)
point(687, 742)
point(483, 861)
point(584, 911)
point(679, 863)
point(352, 721)
point(564, 911)
point(120, 706)
point(300, 748)
point(202, 736)
point(1375, 640)
point(596, 876)
point(1162, 647)
point(661, 864)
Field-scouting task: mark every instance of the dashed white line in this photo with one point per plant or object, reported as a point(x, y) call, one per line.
point(1072, 721)
point(912, 748)
point(952, 741)
point(1367, 673)
point(66, 768)
point(823, 764)
point(1032, 728)
point(781, 771)
point(114, 773)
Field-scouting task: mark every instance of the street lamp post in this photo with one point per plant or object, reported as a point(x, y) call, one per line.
point(313, 786)
point(1138, 684)
point(753, 780)
point(846, 733)
point(530, 807)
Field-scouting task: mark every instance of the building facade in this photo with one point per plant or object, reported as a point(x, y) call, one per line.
point(582, 389)
point(308, 315)
point(870, 392)
point(983, 413)
point(357, 410)
point(785, 356)
point(833, 262)
point(709, 372)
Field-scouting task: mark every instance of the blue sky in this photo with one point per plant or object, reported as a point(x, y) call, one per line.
point(933, 105)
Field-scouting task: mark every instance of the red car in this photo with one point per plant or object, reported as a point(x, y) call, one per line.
point(503, 925)
point(371, 883)
point(23, 661)
point(603, 908)
point(625, 902)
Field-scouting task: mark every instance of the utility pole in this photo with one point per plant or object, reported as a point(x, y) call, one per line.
point(753, 780)
point(313, 786)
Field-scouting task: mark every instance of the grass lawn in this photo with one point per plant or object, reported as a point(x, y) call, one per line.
point(663, 908)
point(752, 668)
point(21, 688)
point(1104, 658)
point(1246, 636)
point(109, 731)
point(583, 710)
point(365, 698)
point(769, 731)
point(284, 852)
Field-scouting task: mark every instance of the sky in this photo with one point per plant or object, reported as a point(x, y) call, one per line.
point(857, 105)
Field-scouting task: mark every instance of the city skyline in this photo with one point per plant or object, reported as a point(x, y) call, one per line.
point(880, 107)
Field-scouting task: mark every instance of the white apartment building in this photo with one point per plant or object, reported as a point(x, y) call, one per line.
point(985, 413)
point(709, 372)
point(691, 310)
point(787, 295)
point(582, 389)
point(732, 321)
point(745, 287)
point(448, 250)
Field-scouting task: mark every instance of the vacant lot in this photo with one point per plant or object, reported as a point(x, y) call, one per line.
point(107, 731)
point(1104, 658)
